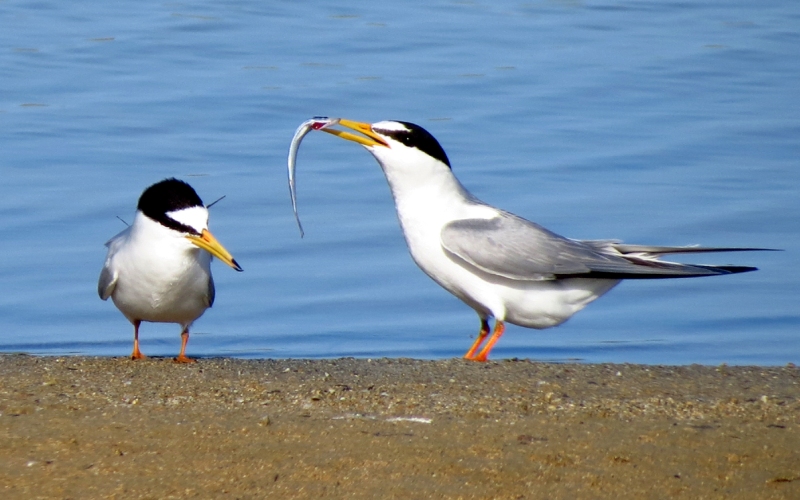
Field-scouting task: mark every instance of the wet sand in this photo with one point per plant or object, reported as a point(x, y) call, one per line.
point(78, 427)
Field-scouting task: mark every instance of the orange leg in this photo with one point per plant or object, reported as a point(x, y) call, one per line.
point(499, 328)
point(182, 358)
point(137, 354)
point(481, 336)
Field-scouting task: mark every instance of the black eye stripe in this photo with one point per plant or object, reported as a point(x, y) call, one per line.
point(177, 226)
point(417, 137)
point(169, 195)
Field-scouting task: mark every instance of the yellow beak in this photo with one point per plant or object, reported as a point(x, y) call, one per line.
point(371, 139)
point(207, 242)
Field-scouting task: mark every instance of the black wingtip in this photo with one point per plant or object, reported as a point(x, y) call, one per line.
point(734, 269)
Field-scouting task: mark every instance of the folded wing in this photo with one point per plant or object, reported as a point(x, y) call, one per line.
point(512, 247)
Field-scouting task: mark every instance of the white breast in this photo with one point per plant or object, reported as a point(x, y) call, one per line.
point(162, 276)
point(423, 210)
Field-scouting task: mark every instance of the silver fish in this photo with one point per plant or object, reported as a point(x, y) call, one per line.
point(316, 123)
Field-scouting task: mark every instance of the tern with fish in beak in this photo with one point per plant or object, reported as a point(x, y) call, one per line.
point(503, 266)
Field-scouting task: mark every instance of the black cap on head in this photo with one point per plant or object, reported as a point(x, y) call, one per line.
point(417, 137)
point(166, 196)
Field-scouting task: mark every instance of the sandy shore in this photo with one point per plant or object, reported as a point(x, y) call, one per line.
point(77, 427)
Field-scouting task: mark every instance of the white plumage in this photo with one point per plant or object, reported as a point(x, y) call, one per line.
point(501, 265)
point(159, 268)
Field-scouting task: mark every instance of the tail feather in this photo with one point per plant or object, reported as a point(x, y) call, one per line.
point(646, 263)
point(626, 249)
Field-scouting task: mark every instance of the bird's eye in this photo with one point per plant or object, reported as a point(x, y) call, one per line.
point(417, 137)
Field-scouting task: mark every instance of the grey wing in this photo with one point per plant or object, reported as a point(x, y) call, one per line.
point(517, 249)
point(107, 282)
point(211, 291)
point(109, 276)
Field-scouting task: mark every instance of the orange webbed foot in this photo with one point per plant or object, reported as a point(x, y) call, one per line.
point(480, 358)
point(484, 331)
point(184, 359)
point(483, 356)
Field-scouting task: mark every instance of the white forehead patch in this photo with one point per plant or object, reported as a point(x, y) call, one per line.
point(389, 126)
point(194, 217)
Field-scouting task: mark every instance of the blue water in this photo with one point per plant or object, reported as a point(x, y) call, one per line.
point(651, 122)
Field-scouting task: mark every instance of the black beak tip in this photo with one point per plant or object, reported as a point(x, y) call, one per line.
point(236, 265)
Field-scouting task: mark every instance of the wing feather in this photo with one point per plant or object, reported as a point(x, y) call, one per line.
point(211, 290)
point(107, 282)
point(109, 276)
point(512, 247)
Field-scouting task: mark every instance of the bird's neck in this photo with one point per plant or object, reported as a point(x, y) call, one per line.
point(424, 188)
point(425, 204)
